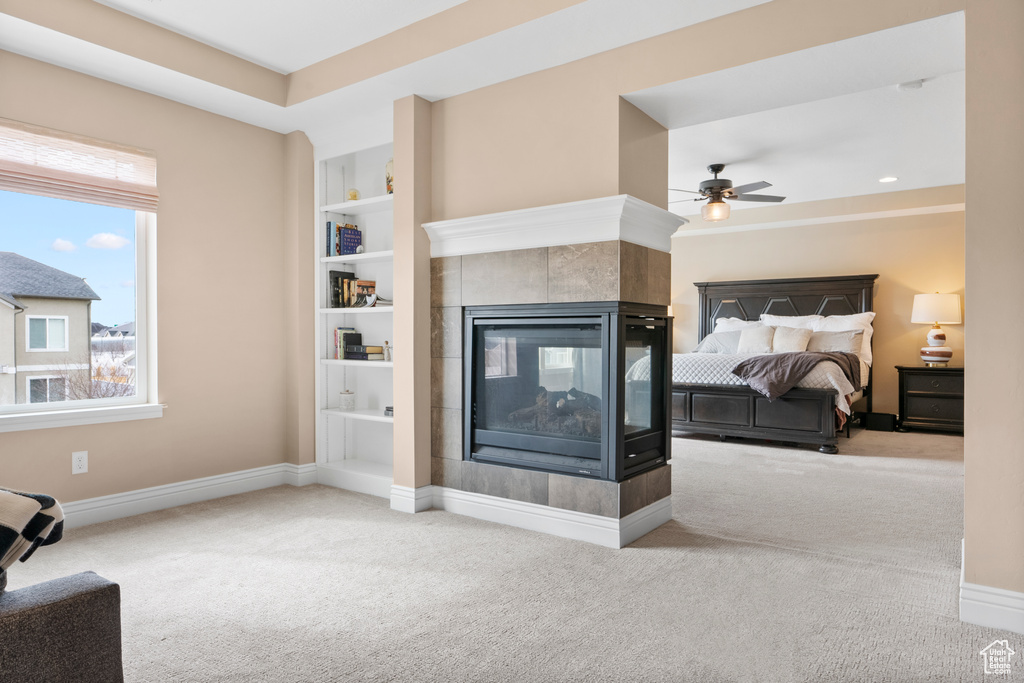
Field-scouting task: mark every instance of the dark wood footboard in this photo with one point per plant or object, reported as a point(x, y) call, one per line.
point(800, 416)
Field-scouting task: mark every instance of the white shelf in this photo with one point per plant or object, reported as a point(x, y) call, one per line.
point(359, 363)
point(381, 310)
point(366, 257)
point(362, 206)
point(356, 474)
point(368, 415)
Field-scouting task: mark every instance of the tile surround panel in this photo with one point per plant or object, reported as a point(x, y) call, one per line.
point(596, 271)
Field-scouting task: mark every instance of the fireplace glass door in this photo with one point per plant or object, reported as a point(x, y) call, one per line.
point(541, 386)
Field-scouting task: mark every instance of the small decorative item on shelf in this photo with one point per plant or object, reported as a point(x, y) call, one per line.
point(360, 249)
point(389, 176)
point(348, 401)
point(387, 350)
point(389, 411)
point(353, 194)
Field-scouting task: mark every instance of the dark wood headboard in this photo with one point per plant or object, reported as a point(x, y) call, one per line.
point(748, 299)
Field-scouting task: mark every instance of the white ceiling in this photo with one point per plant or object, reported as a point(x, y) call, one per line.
point(826, 122)
point(283, 36)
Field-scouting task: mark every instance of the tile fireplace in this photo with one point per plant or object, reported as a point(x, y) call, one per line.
point(573, 388)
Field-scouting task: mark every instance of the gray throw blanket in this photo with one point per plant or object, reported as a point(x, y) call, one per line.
point(775, 374)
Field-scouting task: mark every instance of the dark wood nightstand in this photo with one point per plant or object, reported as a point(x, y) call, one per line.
point(931, 398)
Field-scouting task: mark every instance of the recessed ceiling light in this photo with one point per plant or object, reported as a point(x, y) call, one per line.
point(888, 179)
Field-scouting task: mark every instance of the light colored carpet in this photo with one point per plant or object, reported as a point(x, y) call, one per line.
point(779, 565)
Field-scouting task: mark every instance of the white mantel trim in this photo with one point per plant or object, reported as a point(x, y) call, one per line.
point(621, 217)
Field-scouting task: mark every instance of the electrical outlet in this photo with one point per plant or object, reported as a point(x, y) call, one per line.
point(79, 462)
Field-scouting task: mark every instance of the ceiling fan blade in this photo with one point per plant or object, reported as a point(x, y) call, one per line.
point(672, 189)
point(756, 198)
point(698, 199)
point(750, 187)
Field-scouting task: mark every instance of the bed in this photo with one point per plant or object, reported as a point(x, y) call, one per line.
point(802, 415)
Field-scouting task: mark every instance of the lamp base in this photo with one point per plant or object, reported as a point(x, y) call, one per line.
point(936, 356)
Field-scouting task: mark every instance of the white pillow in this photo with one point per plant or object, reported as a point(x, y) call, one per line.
point(790, 339)
point(719, 342)
point(731, 324)
point(756, 339)
point(850, 341)
point(804, 321)
point(857, 321)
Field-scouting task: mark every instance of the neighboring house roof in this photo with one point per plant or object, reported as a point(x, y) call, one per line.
point(122, 330)
point(23, 277)
point(12, 301)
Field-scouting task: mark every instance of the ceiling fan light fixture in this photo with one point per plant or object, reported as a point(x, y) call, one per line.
point(715, 210)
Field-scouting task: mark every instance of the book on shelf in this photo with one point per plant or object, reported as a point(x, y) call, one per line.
point(348, 239)
point(362, 293)
point(343, 336)
point(375, 356)
point(352, 355)
point(336, 283)
point(355, 348)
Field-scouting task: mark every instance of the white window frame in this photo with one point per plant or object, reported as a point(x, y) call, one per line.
point(144, 404)
point(47, 318)
point(28, 389)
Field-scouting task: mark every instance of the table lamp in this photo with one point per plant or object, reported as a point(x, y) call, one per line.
point(935, 309)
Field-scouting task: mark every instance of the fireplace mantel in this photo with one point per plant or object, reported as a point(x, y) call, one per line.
point(621, 217)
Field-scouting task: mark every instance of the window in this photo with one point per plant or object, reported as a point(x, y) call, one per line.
point(47, 334)
point(47, 389)
point(77, 257)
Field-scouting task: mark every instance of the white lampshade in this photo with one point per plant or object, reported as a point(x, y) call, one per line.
point(943, 309)
point(715, 210)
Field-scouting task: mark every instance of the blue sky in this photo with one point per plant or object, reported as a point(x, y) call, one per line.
point(88, 240)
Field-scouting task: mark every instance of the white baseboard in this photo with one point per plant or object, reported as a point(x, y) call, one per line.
point(991, 607)
point(605, 531)
point(105, 508)
point(405, 499)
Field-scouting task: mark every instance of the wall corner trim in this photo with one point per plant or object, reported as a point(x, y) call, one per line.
point(605, 531)
point(406, 499)
point(991, 607)
point(115, 506)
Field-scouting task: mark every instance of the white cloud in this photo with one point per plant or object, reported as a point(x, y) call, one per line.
point(128, 283)
point(106, 240)
point(62, 245)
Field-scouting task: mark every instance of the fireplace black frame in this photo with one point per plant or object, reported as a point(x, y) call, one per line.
point(621, 457)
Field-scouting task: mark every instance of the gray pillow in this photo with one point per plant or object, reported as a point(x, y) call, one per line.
point(719, 342)
point(849, 341)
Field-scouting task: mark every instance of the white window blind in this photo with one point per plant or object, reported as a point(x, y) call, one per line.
point(37, 160)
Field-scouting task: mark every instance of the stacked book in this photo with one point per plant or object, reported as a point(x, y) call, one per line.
point(360, 352)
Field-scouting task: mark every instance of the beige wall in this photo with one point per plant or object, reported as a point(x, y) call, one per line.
point(412, 293)
point(300, 251)
point(222, 229)
point(552, 136)
point(994, 456)
point(643, 156)
point(911, 254)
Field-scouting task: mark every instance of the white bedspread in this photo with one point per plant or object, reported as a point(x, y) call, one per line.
point(716, 368)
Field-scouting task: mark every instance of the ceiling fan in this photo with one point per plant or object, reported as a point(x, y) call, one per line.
point(717, 190)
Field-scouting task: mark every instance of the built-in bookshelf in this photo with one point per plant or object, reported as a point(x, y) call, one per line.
point(355, 446)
